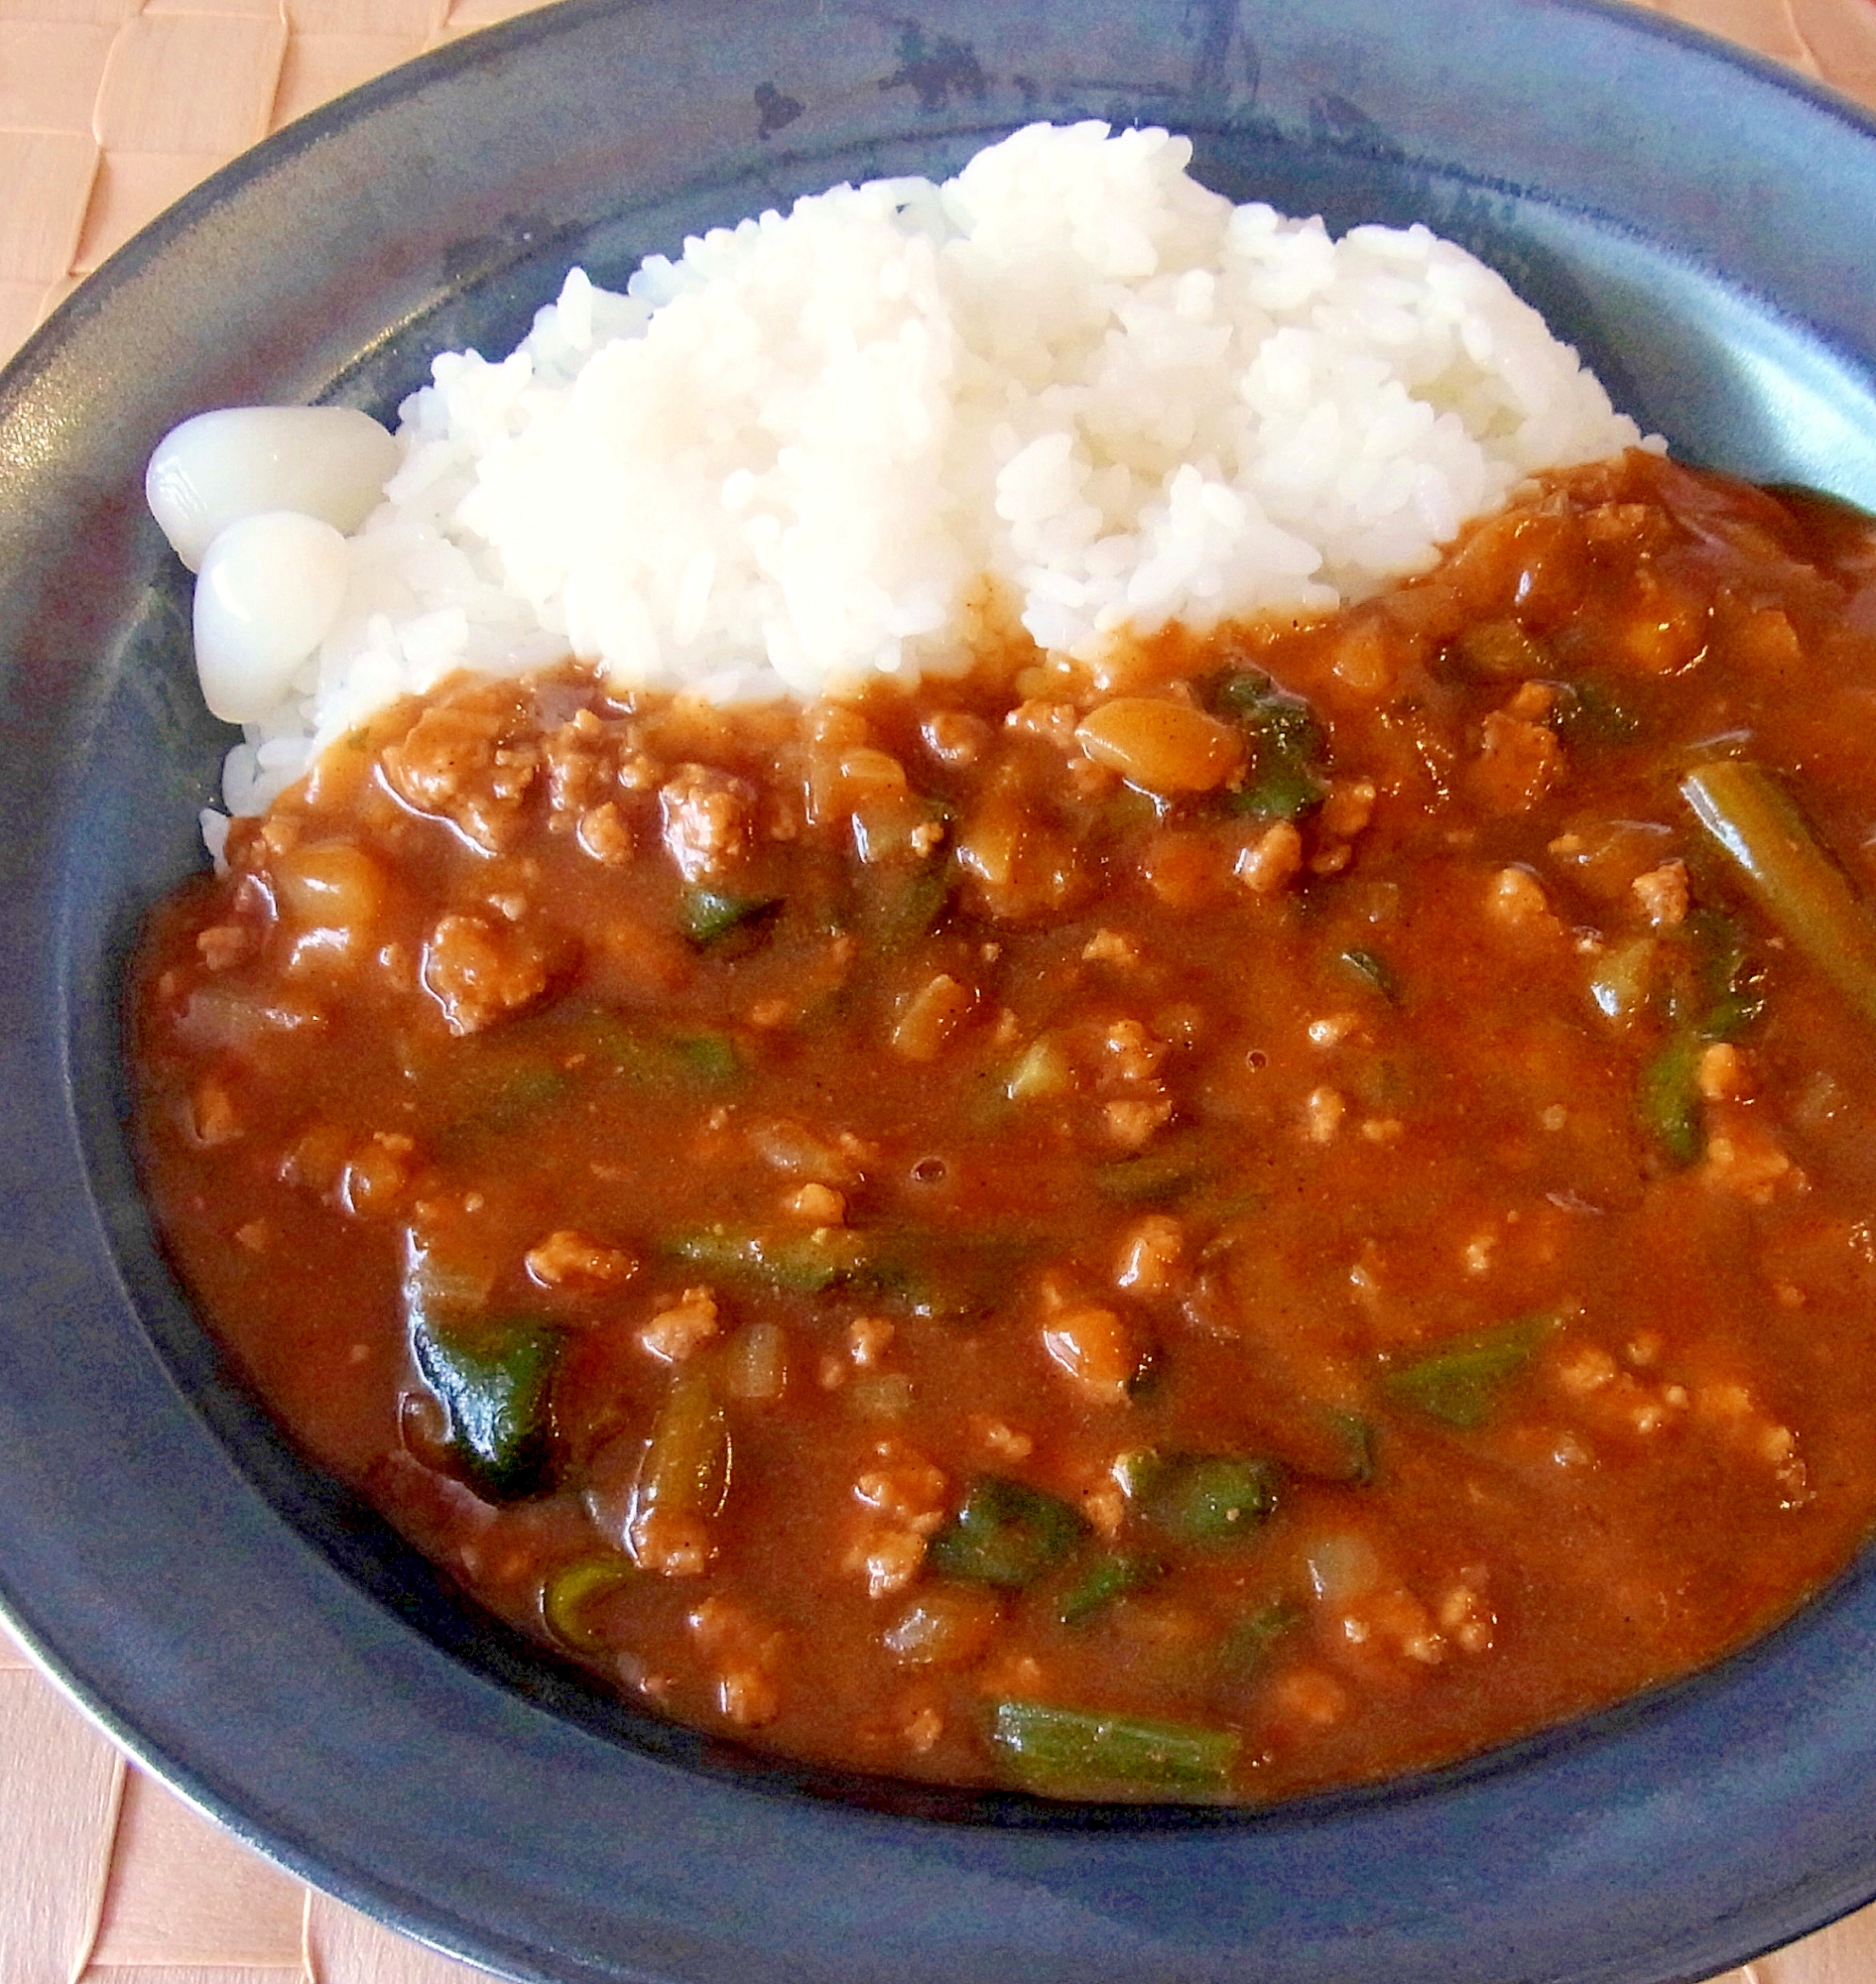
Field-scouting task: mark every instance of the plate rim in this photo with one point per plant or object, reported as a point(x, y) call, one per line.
point(428, 73)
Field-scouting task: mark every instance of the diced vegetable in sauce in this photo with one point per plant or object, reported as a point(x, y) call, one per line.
point(1252, 1642)
point(782, 1262)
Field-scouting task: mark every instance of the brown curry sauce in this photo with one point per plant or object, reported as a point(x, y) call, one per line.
point(859, 1222)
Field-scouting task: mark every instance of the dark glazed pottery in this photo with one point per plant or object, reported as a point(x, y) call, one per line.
point(1697, 224)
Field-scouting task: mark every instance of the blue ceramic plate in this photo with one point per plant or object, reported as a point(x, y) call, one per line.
point(1697, 224)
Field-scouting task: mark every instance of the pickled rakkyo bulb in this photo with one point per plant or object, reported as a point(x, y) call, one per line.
point(257, 501)
point(269, 592)
point(329, 463)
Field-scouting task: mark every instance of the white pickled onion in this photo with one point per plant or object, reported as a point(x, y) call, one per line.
point(329, 463)
point(270, 588)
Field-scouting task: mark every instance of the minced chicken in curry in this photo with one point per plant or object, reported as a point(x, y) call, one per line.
point(1278, 1216)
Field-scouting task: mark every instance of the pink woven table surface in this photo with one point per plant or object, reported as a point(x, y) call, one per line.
point(110, 110)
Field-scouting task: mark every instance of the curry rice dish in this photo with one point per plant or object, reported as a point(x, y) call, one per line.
point(1277, 1209)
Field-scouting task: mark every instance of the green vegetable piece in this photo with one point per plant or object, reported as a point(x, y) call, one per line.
point(1253, 1640)
point(945, 1276)
point(1152, 1179)
point(1277, 720)
point(1284, 791)
point(685, 1472)
point(1058, 1750)
point(908, 902)
point(1588, 715)
point(928, 1273)
point(1007, 1534)
point(1736, 1014)
point(1667, 1099)
point(785, 1263)
point(1127, 810)
point(700, 1060)
point(1459, 1384)
point(1500, 649)
point(1752, 817)
point(570, 1591)
point(489, 1093)
point(1733, 989)
point(712, 1058)
point(711, 915)
point(503, 1086)
point(1375, 972)
point(493, 1380)
point(1286, 746)
point(1701, 975)
point(521, 1093)
point(1205, 1497)
point(1107, 1578)
point(1358, 1434)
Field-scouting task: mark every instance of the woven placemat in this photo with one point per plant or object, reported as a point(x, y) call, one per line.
point(110, 110)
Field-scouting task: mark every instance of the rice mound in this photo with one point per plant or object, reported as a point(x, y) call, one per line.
point(791, 460)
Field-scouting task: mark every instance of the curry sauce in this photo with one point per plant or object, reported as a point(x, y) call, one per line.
point(1277, 1213)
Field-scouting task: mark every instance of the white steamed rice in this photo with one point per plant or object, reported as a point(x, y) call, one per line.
point(791, 460)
